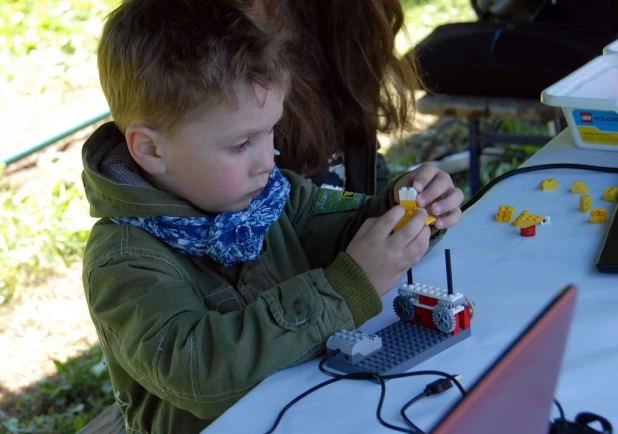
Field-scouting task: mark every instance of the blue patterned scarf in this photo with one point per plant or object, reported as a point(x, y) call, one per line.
point(229, 237)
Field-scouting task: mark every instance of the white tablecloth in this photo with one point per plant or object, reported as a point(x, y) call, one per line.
point(510, 278)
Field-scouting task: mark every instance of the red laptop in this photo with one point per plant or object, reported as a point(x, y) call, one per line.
point(515, 395)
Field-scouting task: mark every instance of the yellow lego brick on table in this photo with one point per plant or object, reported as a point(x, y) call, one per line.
point(527, 219)
point(598, 215)
point(504, 214)
point(549, 184)
point(611, 194)
point(579, 187)
point(585, 202)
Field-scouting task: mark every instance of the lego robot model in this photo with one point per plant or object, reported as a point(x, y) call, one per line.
point(434, 308)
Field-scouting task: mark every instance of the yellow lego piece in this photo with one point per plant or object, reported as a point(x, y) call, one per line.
point(504, 214)
point(549, 184)
point(527, 219)
point(407, 199)
point(410, 211)
point(611, 194)
point(585, 202)
point(598, 215)
point(579, 187)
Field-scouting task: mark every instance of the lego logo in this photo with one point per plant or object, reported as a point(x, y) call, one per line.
point(586, 118)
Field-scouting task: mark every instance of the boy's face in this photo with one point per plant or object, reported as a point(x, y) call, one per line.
point(221, 157)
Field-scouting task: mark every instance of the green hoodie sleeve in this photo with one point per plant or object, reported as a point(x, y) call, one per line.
point(162, 332)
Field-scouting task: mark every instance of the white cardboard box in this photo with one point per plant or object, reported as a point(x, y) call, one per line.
point(589, 99)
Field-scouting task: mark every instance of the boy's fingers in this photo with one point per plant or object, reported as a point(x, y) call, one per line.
point(449, 219)
point(365, 227)
point(440, 184)
point(406, 234)
point(423, 176)
point(417, 248)
point(446, 203)
point(385, 224)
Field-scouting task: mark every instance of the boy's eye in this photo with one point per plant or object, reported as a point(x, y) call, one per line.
point(240, 147)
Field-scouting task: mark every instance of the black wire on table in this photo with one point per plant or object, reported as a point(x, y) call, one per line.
point(560, 410)
point(407, 405)
point(368, 376)
point(474, 199)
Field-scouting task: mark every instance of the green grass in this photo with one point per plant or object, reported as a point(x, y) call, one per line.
point(64, 403)
point(40, 231)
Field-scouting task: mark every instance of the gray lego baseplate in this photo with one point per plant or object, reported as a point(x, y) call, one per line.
point(404, 345)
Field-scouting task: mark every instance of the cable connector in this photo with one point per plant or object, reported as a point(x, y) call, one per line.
point(439, 386)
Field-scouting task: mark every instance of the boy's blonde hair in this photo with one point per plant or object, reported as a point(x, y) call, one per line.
point(160, 59)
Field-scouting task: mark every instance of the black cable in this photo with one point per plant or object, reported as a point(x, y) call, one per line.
point(324, 360)
point(496, 180)
point(381, 380)
point(431, 389)
point(407, 405)
point(436, 373)
point(298, 398)
point(362, 376)
point(560, 410)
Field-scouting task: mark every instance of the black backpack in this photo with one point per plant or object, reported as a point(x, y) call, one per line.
point(517, 48)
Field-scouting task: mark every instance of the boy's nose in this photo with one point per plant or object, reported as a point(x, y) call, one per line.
point(265, 158)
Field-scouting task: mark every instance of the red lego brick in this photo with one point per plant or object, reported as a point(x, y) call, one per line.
point(427, 318)
point(530, 231)
point(464, 318)
point(431, 301)
point(427, 300)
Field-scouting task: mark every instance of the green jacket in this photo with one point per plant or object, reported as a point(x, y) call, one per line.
point(184, 337)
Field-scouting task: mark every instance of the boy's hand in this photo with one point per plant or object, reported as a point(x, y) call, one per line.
point(384, 256)
point(436, 193)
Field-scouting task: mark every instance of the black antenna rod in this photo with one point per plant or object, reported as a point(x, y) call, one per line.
point(410, 280)
point(449, 275)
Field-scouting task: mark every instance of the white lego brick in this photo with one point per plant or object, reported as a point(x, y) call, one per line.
point(430, 291)
point(355, 345)
point(407, 193)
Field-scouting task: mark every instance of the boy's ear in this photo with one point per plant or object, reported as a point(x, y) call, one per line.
point(145, 146)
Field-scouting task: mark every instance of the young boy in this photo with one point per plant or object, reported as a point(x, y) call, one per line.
point(209, 268)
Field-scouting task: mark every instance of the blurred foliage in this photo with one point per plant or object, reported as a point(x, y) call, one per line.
point(41, 230)
point(47, 36)
point(423, 16)
point(64, 403)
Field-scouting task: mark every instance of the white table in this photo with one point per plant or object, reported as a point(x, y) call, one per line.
point(510, 278)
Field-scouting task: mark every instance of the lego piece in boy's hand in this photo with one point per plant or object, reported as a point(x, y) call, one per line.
point(407, 199)
point(549, 184)
point(585, 202)
point(611, 194)
point(598, 215)
point(504, 214)
point(579, 187)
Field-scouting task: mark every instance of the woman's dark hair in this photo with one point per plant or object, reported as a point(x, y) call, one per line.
point(348, 83)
